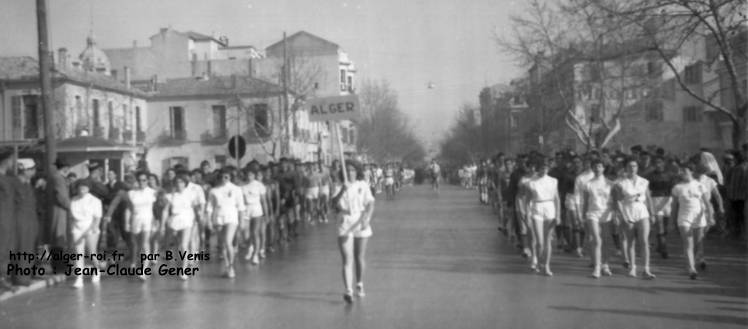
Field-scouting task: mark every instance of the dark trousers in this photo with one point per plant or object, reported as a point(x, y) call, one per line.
point(736, 220)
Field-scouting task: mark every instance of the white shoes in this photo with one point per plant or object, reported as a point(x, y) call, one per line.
point(78, 283)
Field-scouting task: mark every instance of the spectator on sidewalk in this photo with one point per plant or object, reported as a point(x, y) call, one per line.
point(7, 211)
point(27, 222)
point(736, 190)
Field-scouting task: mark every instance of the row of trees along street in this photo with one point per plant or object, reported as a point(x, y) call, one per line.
point(384, 131)
point(627, 49)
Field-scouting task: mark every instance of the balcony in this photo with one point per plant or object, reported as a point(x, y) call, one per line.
point(168, 138)
point(214, 138)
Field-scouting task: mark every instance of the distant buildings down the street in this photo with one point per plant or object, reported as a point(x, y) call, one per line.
point(531, 113)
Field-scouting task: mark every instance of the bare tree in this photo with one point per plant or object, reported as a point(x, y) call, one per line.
point(463, 140)
point(585, 70)
point(384, 131)
point(669, 25)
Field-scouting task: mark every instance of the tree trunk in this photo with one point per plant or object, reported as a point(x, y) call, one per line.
point(738, 132)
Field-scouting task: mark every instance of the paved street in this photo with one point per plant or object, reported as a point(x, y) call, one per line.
point(434, 262)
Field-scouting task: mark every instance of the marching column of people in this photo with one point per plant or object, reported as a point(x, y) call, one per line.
point(248, 213)
point(601, 201)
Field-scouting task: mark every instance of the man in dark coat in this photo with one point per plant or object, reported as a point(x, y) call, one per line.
point(59, 196)
point(27, 222)
point(7, 214)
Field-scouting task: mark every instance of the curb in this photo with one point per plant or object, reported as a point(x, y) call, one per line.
point(35, 285)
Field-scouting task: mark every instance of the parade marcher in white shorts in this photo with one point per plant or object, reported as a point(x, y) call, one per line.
point(635, 208)
point(225, 206)
point(179, 214)
point(544, 208)
point(356, 206)
point(690, 208)
point(256, 207)
point(86, 213)
point(714, 199)
point(139, 216)
point(597, 207)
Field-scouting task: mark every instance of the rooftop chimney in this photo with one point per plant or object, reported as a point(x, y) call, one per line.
point(62, 59)
point(127, 77)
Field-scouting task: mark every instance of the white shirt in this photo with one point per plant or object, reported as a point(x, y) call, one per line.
point(253, 193)
point(142, 203)
point(182, 204)
point(198, 194)
point(689, 196)
point(226, 202)
point(543, 189)
point(85, 210)
point(356, 197)
point(598, 194)
point(633, 198)
point(579, 184)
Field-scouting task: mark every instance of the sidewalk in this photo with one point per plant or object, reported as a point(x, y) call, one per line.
point(36, 284)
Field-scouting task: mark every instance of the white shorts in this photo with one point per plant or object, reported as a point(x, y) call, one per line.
point(349, 226)
point(324, 190)
point(80, 228)
point(600, 216)
point(139, 224)
point(543, 211)
point(662, 205)
point(389, 181)
point(570, 202)
point(226, 219)
point(180, 222)
point(692, 219)
point(254, 211)
point(312, 193)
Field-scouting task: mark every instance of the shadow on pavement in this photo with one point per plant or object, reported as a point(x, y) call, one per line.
point(724, 319)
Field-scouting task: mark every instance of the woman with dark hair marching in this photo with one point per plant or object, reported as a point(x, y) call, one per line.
point(139, 216)
point(635, 208)
point(225, 207)
point(691, 210)
point(597, 209)
point(543, 207)
point(355, 203)
point(179, 214)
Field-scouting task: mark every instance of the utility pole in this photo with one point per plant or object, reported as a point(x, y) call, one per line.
point(50, 146)
point(286, 145)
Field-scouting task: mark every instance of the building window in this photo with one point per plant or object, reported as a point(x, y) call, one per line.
point(126, 113)
point(220, 161)
point(344, 134)
point(693, 74)
point(342, 76)
point(654, 68)
point(25, 116)
point(692, 114)
point(654, 111)
point(110, 114)
point(219, 121)
point(352, 138)
point(668, 89)
point(261, 116)
point(176, 122)
point(350, 83)
point(80, 115)
point(512, 120)
point(138, 119)
point(173, 161)
point(96, 116)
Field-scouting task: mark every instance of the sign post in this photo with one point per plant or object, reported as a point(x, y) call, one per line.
point(335, 109)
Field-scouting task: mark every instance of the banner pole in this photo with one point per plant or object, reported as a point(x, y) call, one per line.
point(340, 151)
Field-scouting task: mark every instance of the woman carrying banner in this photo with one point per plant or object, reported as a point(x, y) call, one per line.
point(355, 204)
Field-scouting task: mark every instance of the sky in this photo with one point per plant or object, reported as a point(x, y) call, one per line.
point(408, 43)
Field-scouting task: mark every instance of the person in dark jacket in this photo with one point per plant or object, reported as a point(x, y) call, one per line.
point(27, 221)
point(59, 196)
point(7, 213)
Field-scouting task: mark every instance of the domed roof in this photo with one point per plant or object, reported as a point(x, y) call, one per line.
point(94, 59)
